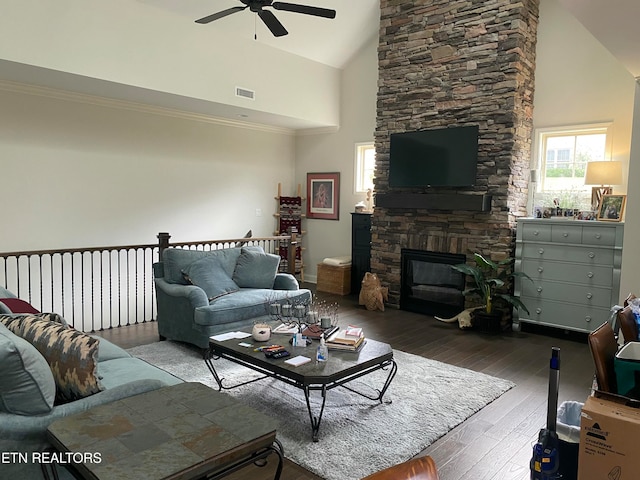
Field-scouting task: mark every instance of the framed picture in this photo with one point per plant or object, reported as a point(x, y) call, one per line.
point(323, 195)
point(611, 208)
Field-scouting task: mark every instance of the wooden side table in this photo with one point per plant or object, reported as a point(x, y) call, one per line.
point(185, 431)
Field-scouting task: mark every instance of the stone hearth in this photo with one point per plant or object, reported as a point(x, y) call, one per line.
point(444, 63)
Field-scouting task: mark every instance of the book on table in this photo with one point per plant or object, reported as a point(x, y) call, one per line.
point(347, 348)
point(341, 341)
point(342, 338)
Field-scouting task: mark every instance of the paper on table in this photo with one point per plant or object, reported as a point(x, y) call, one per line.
point(299, 360)
point(229, 335)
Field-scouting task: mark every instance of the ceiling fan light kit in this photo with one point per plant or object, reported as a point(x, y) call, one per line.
point(269, 19)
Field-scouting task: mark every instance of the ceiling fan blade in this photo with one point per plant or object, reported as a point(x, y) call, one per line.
point(307, 10)
point(272, 23)
point(223, 13)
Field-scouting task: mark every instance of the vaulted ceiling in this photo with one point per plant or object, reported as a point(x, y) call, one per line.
point(132, 31)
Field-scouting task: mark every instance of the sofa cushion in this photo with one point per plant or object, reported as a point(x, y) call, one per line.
point(17, 305)
point(175, 260)
point(71, 355)
point(27, 386)
point(209, 274)
point(255, 269)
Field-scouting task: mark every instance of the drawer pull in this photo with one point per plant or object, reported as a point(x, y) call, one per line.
point(598, 236)
point(536, 233)
point(565, 234)
point(541, 251)
point(590, 274)
point(538, 310)
point(540, 269)
point(592, 255)
point(587, 318)
point(539, 289)
point(589, 296)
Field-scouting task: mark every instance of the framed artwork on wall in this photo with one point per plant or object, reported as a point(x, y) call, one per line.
point(611, 208)
point(323, 195)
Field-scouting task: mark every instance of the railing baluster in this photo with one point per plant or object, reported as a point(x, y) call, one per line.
point(71, 284)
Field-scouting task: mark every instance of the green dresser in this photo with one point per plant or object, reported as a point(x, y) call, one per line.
point(575, 267)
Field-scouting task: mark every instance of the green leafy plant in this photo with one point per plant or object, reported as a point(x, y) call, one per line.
point(492, 281)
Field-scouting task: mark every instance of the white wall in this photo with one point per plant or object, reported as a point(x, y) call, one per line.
point(630, 280)
point(75, 174)
point(578, 81)
point(136, 43)
point(335, 152)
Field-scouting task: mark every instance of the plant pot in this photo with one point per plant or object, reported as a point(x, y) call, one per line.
point(487, 322)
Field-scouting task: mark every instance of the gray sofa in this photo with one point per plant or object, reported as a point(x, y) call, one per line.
point(203, 293)
point(27, 389)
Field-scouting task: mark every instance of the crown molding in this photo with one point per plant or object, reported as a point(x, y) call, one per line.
point(65, 95)
point(317, 131)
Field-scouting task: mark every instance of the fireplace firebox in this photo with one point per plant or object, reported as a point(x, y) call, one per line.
point(428, 283)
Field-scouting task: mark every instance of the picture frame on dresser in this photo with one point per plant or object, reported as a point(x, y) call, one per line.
point(611, 208)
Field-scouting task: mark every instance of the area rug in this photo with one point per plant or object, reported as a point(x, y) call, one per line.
point(357, 436)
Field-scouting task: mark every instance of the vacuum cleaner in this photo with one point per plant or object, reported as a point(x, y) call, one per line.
point(545, 461)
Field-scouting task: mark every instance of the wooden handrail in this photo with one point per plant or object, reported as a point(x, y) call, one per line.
point(103, 287)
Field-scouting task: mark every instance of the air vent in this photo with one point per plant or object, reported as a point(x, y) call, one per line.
point(245, 93)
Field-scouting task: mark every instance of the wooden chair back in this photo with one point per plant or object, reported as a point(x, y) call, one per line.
point(421, 468)
point(628, 325)
point(603, 346)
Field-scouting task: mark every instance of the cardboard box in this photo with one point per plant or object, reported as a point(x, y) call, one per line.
point(609, 433)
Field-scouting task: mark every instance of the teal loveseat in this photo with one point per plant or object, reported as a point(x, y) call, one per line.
point(29, 390)
point(204, 293)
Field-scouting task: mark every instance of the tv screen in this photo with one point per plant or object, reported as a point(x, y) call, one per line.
point(445, 157)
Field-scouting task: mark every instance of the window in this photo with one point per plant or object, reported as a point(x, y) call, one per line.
point(562, 157)
point(365, 167)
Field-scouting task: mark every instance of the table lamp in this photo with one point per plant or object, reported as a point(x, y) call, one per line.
point(604, 174)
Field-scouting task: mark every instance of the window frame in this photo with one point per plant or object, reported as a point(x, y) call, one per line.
point(543, 133)
point(359, 170)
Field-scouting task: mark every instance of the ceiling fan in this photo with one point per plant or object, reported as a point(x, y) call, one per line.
point(267, 16)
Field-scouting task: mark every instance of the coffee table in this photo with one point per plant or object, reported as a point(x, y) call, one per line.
point(185, 431)
point(341, 368)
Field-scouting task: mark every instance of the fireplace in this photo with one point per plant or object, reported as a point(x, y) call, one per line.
point(428, 283)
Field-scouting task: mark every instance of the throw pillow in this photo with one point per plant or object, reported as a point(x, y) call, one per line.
point(256, 269)
point(209, 274)
point(71, 355)
point(50, 317)
point(26, 382)
point(17, 305)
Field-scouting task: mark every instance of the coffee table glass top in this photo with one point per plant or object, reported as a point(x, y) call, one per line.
point(340, 364)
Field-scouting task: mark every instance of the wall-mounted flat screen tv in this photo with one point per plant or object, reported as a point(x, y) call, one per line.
point(444, 157)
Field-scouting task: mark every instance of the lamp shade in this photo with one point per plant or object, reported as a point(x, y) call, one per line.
point(603, 173)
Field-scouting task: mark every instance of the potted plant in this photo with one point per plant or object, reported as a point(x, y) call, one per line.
point(492, 284)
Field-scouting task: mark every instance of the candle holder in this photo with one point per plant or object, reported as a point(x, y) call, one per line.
point(289, 312)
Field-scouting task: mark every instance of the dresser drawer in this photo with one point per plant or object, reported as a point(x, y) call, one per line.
point(578, 254)
point(566, 233)
point(597, 275)
point(592, 296)
point(605, 236)
point(580, 318)
point(536, 232)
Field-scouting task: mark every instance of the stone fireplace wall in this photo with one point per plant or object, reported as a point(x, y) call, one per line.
point(444, 63)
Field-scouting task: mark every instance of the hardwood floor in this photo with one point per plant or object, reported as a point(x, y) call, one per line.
point(495, 443)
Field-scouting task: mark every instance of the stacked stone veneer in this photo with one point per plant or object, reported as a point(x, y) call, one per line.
point(452, 63)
